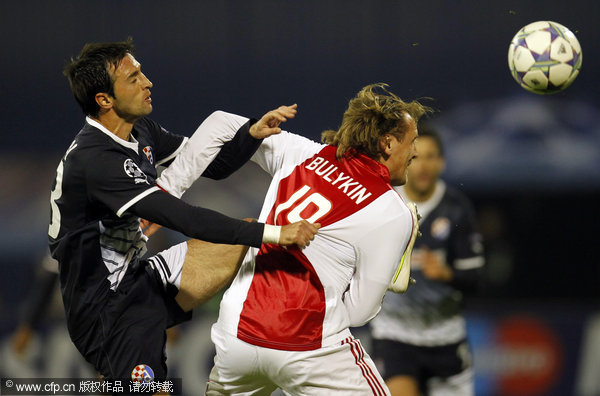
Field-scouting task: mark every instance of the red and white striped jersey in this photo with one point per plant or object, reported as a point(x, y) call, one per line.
point(303, 299)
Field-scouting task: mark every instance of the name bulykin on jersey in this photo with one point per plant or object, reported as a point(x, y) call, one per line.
point(353, 189)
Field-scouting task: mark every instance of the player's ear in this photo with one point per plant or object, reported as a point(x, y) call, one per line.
point(385, 145)
point(104, 101)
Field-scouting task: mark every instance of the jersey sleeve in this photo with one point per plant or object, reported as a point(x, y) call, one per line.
point(466, 250)
point(166, 145)
point(277, 151)
point(466, 244)
point(234, 153)
point(201, 149)
point(379, 251)
point(196, 222)
point(116, 181)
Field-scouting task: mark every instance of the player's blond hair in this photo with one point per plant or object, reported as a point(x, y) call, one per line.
point(369, 116)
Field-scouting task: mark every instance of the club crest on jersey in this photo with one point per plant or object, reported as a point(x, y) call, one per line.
point(142, 373)
point(440, 228)
point(149, 154)
point(132, 170)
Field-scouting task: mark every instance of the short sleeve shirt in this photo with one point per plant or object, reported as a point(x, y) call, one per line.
point(91, 234)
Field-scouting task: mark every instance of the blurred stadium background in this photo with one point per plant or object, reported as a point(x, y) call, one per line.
point(530, 163)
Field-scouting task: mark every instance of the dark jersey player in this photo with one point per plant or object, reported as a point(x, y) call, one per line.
point(118, 305)
point(420, 336)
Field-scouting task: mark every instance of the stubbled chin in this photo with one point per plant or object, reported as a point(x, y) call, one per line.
point(398, 182)
point(421, 188)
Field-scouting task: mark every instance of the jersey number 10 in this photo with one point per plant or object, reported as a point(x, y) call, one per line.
point(322, 206)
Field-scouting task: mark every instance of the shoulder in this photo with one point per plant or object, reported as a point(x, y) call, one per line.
point(293, 141)
point(147, 126)
point(457, 206)
point(286, 150)
point(391, 210)
point(89, 143)
point(386, 220)
point(92, 148)
point(455, 197)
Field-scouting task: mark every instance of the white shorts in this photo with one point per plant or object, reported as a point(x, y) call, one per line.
point(244, 369)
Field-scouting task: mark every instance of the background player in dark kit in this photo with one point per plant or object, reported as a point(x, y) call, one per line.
point(420, 336)
point(117, 305)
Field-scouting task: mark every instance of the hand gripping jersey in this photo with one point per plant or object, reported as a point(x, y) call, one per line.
point(303, 299)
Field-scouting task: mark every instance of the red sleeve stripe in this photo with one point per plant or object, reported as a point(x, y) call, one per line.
point(157, 185)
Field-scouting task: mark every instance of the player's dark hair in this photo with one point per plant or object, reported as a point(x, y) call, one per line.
point(426, 130)
point(369, 116)
point(89, 73)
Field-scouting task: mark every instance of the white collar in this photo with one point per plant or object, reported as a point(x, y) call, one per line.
point(426, 207)
point(131, 145)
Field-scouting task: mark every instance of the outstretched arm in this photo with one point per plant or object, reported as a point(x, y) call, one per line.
point(204, 156)
point(246, 141)
point(199, 156)
point(234, 154)
point(205, 224)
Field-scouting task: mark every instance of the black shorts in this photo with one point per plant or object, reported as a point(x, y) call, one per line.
point(131, 328)
point(397, 358)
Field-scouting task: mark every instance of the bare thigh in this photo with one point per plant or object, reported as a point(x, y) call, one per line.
point(403, 385)
point(208, 268)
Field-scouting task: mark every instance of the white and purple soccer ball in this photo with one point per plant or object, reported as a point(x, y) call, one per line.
point(544, 57)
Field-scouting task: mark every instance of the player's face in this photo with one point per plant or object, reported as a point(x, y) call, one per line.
point(132, 90)
point(425, 170)
point(401, 154)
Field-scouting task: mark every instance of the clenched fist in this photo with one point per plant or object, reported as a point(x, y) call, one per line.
point(300, 233)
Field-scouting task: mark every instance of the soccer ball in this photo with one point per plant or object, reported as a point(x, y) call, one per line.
point(544, 57)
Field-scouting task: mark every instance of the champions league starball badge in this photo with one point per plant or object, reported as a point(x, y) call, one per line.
point(134, 171)
point(142, 373)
